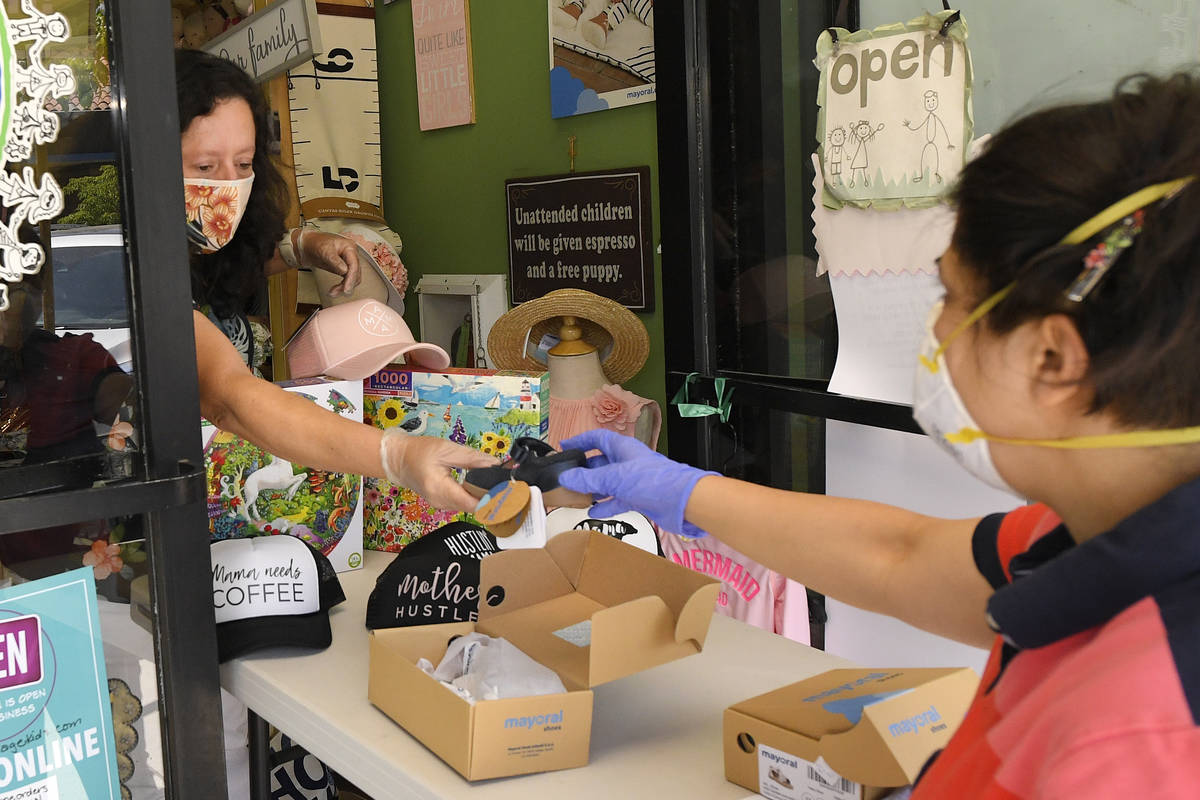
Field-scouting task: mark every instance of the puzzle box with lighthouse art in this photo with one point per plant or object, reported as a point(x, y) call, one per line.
point(481, 408)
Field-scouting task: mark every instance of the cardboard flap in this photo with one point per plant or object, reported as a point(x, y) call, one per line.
point(409, 696)
point(692, 624)
point(513, 579)
point(896, 736)
point(862, 755)
point(632, 637)
point(568, 549)
point(611, 572)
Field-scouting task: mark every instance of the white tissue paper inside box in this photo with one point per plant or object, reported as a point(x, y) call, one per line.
point(479, 667)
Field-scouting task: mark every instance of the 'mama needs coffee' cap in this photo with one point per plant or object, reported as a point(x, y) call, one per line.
point(271, 591)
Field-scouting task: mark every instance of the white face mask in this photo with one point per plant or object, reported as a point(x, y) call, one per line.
point(940, 411)
point(214, 209)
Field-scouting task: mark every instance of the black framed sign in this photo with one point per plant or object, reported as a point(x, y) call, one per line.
point(584, 230)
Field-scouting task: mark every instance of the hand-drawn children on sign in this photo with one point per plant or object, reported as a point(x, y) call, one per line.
point(861, 132)
point(931, 125)
point(25, 197)
point(833, 156)
point(915, 74)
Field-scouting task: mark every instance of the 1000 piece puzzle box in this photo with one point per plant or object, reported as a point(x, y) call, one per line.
point(484, 409)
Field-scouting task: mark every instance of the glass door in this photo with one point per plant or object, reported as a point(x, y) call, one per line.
point(737, 112)
point(100, 461)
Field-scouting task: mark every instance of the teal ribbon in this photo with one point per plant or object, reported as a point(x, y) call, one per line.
point(722, 409)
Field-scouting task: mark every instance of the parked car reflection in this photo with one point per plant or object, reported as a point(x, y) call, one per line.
point(89, 287)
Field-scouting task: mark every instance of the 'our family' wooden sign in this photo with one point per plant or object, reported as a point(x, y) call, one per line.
point(273, 40)
point(895, 116)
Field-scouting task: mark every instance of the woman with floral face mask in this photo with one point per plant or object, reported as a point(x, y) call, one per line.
point(1062, 365)
point(234, 199)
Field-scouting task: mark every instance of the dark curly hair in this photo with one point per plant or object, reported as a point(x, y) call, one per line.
point(228, 278)
point(1045, 174)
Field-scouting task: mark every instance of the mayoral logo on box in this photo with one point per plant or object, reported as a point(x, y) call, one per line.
point(895, 111)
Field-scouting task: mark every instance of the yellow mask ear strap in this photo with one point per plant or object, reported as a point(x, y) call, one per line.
point(1159, 438)
point(1124, 207)
point(968, 321)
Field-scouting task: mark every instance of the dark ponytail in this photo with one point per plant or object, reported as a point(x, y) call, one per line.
point(1045, 174)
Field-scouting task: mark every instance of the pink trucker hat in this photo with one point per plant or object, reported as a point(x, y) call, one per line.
point(351, 341)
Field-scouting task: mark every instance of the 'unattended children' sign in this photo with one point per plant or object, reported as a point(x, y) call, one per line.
point(895, 111)
point(587, 230)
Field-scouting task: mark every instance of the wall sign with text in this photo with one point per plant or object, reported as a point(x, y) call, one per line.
point(445, 81)
point(275, 39)
point(587, 230)
point(895, 118)
point(56, 730)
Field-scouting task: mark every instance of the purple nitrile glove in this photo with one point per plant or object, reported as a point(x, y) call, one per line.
point(634, 477)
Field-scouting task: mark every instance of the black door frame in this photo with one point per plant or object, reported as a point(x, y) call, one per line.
point(172, 493)
point(698, 68)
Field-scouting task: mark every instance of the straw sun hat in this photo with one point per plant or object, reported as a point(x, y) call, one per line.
point(618, 336)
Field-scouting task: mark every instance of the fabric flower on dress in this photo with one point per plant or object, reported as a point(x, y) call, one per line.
point(118, 435)
point(386, 257)
point(613, 406)
point(103, 558)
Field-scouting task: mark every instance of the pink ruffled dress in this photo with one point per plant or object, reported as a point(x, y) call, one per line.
point(611, 407)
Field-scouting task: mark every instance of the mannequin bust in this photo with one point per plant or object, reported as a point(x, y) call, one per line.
point(576, 377)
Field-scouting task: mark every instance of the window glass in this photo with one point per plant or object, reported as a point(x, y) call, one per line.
point(67, 376)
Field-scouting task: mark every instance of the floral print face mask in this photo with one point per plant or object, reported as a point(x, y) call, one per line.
point(214, 209)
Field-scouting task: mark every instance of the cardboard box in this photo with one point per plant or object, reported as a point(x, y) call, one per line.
point(588, 606)
point(253, 493)
point(480, 408)
point(846, 733)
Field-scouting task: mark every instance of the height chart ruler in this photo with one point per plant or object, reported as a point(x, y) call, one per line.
point(334, 105)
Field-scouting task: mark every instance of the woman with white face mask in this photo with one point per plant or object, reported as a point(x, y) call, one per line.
point(1060, 365)
point(235, 200)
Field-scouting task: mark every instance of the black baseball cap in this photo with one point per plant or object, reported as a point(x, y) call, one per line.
point(454, 539)
point(271, 591)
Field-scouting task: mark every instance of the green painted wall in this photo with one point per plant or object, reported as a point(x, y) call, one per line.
point(444, 189)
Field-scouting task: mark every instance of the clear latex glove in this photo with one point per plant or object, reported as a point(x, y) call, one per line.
point(635, 478)
point(332, 253)
point(423, 463)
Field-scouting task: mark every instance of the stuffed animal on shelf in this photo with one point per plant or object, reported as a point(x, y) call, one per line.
point(195, 22)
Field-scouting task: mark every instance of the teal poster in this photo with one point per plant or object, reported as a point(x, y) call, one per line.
point(56, 733)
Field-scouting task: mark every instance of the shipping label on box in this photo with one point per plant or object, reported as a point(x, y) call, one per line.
point(484, 409)
point(782, 776)
point(253, 493)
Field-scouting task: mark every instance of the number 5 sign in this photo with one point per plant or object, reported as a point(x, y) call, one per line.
point(334, 104)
